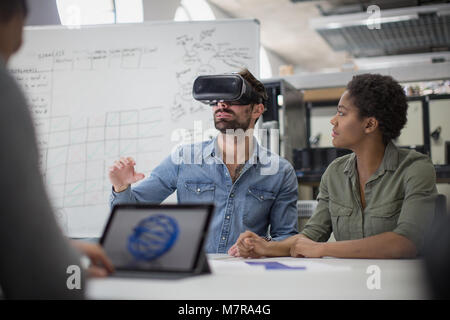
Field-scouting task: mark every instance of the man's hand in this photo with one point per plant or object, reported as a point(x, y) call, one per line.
point(122, 174)
point(249, 245)
point(306, 248)
point(100, 266)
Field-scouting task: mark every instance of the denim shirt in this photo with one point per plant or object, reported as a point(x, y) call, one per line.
point(264, 194)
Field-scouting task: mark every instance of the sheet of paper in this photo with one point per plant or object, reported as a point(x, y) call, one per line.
point(274, 265)
point(228, 264)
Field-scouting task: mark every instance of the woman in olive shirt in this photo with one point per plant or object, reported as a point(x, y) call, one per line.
point(377, 201)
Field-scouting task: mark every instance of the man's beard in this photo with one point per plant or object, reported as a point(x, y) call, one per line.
point(224, 125)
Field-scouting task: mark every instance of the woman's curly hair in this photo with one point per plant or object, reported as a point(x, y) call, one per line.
point(381, 97)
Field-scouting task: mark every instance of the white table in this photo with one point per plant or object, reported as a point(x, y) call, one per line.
point(232, 278)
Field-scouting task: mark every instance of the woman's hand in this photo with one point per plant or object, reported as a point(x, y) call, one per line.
point(306, 248)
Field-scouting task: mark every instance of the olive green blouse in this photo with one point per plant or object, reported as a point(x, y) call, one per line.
point(399, 197)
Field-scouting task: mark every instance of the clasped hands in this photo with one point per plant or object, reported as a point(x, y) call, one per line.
point(250, 245)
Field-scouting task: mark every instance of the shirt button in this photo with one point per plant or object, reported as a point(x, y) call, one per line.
point(223, 238)
point(262, 198)
point(198, 190)
point(228, 217)
point(232, 195)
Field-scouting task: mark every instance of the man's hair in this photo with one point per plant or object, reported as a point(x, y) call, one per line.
point(10, 8)
point(255, 83)
point(257, 86)
point(381, 97)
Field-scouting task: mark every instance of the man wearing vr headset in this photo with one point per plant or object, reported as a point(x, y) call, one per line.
point(251, 187)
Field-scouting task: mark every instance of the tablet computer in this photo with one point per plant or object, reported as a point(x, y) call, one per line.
point(157, 241)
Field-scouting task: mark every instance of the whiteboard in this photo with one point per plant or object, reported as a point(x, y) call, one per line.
point(101, 92)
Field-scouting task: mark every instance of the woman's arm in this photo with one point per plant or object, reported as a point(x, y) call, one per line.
point(387, 245)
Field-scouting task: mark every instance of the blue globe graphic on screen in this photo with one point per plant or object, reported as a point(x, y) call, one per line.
point(152, 237)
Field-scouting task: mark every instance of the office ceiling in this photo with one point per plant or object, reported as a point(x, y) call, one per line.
point(286, 31)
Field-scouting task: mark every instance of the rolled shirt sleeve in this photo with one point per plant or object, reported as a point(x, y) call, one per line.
point(419, 203)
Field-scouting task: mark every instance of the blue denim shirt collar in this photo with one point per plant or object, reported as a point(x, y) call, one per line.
point(211, 150)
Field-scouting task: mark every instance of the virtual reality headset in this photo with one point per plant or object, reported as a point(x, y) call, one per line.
point(230, 88)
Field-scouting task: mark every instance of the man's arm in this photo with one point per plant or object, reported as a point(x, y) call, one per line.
point(161, 183)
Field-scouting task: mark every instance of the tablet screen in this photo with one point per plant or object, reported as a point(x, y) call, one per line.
point(155, 238)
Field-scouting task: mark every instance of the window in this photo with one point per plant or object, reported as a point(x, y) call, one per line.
point(265, 68)
point(128, 11)
point(88, 12)
point(194, 10)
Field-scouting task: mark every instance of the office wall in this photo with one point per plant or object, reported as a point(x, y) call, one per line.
point(440, 116)
point(276, 62)
point(320, 124)
point(411, 134)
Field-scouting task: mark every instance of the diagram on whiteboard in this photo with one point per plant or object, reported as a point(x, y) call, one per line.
point(200, 55)
point(106, 92)
point(78, 151)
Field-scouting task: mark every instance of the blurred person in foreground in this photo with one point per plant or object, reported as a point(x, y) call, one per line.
point(35, 255)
